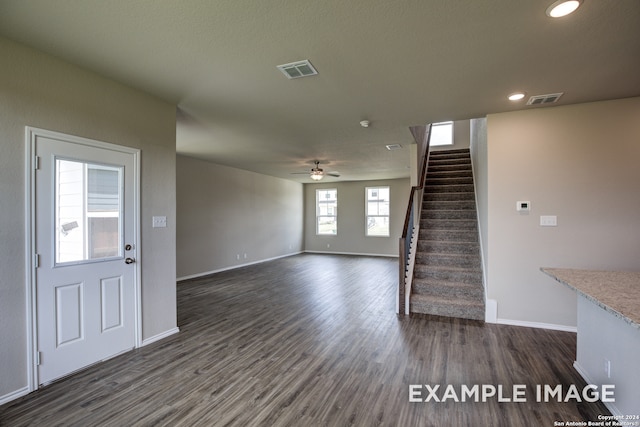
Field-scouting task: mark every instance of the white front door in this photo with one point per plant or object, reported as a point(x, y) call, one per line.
point(85, 230)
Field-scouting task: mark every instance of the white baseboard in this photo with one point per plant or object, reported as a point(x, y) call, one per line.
point(538, 325)
point(491, 316)
point(351, 253)
point(491, 311)
point(610, 406)
point(233, 267)
point(14, 395)
point(160, 336)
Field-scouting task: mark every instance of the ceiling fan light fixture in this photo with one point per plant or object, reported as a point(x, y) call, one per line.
point(316, 173)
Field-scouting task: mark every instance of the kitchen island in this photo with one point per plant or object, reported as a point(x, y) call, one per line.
point(608, 339)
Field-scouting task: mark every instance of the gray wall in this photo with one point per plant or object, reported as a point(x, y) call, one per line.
point(41, 91)
point(225, 213)
point(351, 237)
point(578, 162)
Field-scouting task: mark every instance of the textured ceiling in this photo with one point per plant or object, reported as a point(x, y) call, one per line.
point(396, 63)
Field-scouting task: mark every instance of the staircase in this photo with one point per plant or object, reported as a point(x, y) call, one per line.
point(447, 276)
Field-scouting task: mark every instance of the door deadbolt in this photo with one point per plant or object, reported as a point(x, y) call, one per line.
point(128, 247)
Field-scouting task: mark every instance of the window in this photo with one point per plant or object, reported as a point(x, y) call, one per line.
point(441, 134)
point(327, 211)
point(377, 211)
point(88, 214)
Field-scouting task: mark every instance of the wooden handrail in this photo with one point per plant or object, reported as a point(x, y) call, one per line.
point(424, 134)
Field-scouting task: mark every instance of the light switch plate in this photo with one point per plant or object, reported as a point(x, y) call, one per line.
point(159, 221)
point(548, 221)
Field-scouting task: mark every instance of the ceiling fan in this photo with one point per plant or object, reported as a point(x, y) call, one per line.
point(317, 173)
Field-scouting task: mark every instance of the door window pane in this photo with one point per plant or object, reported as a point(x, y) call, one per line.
point(88, 211)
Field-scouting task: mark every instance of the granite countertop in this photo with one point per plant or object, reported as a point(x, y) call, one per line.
point(618, 292)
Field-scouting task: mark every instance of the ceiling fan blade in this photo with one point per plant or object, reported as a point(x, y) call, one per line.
point(336, 174)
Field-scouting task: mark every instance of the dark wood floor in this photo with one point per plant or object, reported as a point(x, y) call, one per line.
point(311, 340)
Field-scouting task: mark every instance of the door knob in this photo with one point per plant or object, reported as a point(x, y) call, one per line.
point(129, 260)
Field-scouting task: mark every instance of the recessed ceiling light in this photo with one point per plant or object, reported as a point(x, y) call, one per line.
point(562, 8)
point(516, 96)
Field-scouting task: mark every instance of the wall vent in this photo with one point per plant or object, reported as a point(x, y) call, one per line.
point(549, 98)
point(295, 70)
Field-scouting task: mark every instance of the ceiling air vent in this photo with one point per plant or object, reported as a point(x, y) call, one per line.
point(549, 98)
point(295, 70)
point(392, 147)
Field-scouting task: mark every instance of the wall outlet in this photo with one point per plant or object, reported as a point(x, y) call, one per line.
point(238, 257)
point(159, 221)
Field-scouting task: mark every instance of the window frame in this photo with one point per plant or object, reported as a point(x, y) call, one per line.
point(442, 124)
point(320, 215)
point(378, 201)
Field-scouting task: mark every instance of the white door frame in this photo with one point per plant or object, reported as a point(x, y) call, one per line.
point(31, 134)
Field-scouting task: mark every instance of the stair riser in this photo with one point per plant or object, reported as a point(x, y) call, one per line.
point(449, 235)
point(449, 247)
point(462, 173)
point(432, 205)
point(449, 197)
point(438, 155)
point(471, 277)
point(442, 260)
point(423, 288)
point(443, 224)
point(452, 161)
point(435, 168)
point(449, 214)
point(474, 313)
point(456, 188)
point(449, 181)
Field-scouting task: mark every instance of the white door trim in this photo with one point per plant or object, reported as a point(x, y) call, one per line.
point(31, 134)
